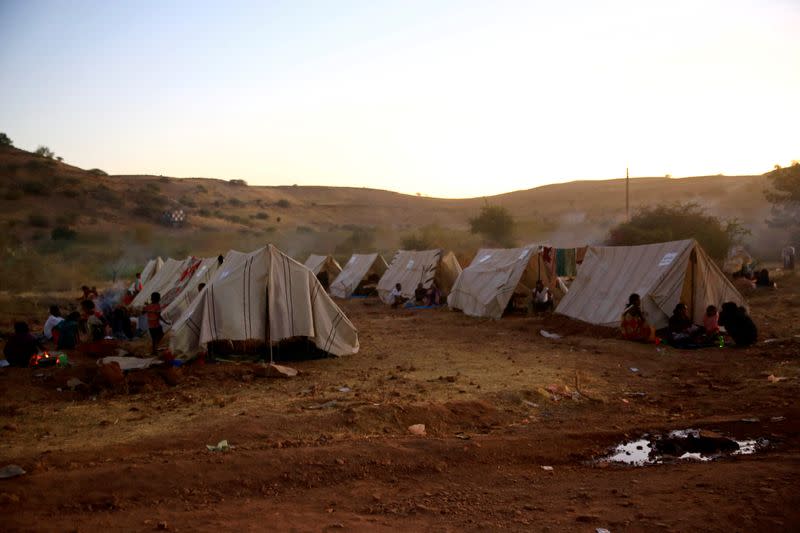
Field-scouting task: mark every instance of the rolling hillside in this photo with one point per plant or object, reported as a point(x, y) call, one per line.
point(117, 223)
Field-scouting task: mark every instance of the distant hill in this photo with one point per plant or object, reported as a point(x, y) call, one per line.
point(123, 214)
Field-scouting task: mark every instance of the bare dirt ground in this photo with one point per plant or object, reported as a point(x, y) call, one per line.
point(308, 456)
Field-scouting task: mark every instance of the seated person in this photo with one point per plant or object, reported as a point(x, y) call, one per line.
point(95, 322)
point(396, 297)
point(68, 336)
point(710, 321)
point(420, 295)
point(21, 346)
point(681, 328)
point(634, 326)
point(738, 324)
point(541, 298)
point(762, 278)
point(52, 321)
point(434, 296)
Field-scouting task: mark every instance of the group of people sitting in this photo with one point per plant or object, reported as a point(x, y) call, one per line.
point(430, 297)
point(682, 332)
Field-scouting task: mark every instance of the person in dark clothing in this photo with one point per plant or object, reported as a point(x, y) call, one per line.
point(682, 330)
point(68, 336)
point(420, 294)
point(21, 346)
point(738, 324)
point(121, 323)
point(762, 278)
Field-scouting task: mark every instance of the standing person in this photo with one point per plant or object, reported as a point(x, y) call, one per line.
point(153, 312)
point(788, 257)
point(21, 346)
point(541, 298)
point(634, 324)
point(52, 321)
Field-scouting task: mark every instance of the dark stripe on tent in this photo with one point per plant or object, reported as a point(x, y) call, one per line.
point(332, 333)
point(213, 314)
point(193, 326)
point(288, 273)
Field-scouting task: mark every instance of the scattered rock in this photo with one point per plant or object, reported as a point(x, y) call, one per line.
point(274, 371)
point(417, 429)
point(10, 471)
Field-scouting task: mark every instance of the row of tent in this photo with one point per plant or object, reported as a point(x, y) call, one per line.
point(266, 295)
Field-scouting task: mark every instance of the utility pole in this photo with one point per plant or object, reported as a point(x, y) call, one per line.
point(627, 196)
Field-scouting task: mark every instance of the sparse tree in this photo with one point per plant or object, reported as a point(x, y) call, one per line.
point(496, 225)
point(5, 140)
point(785, 198)
point(680, 221)
point(44, 151)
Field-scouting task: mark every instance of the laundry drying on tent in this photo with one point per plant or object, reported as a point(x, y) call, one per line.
point(175, 301)
point(167, 276)
point(263, 297)
point(411, 268)
point(325, 267)
point(662, 274)
point(489, 284)
point(359, 277)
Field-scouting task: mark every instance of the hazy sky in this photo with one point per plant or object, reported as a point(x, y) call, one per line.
point(446, 98)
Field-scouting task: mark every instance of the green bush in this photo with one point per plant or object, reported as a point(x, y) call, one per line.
point(35, 188)
point(188, 202)
point(97, 172)
point(496, 225)
point(12, 194)
point(261, 215)
point(5, 140)
point(283, 203)
point(235, 202)
point(106, 196)
point(677, 222)
point(44, 151)
point(37, 220)
point(204, 212)
point(240, 183)
point(63, 233)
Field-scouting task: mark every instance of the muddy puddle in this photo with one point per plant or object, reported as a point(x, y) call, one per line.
point(681, 445)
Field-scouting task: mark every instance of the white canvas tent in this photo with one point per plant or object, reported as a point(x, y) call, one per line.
point(663, 275)
point(162, 281)
point(410, 268)
point(323, 263)
point(151, 269)
point(177, 299)
point(359, 268)
point(485, 287)
point(263, 296)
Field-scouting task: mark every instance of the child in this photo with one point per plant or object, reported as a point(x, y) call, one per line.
point(711, 321)
point(153, 312)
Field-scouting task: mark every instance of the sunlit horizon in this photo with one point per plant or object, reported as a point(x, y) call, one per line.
point(446, 99)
